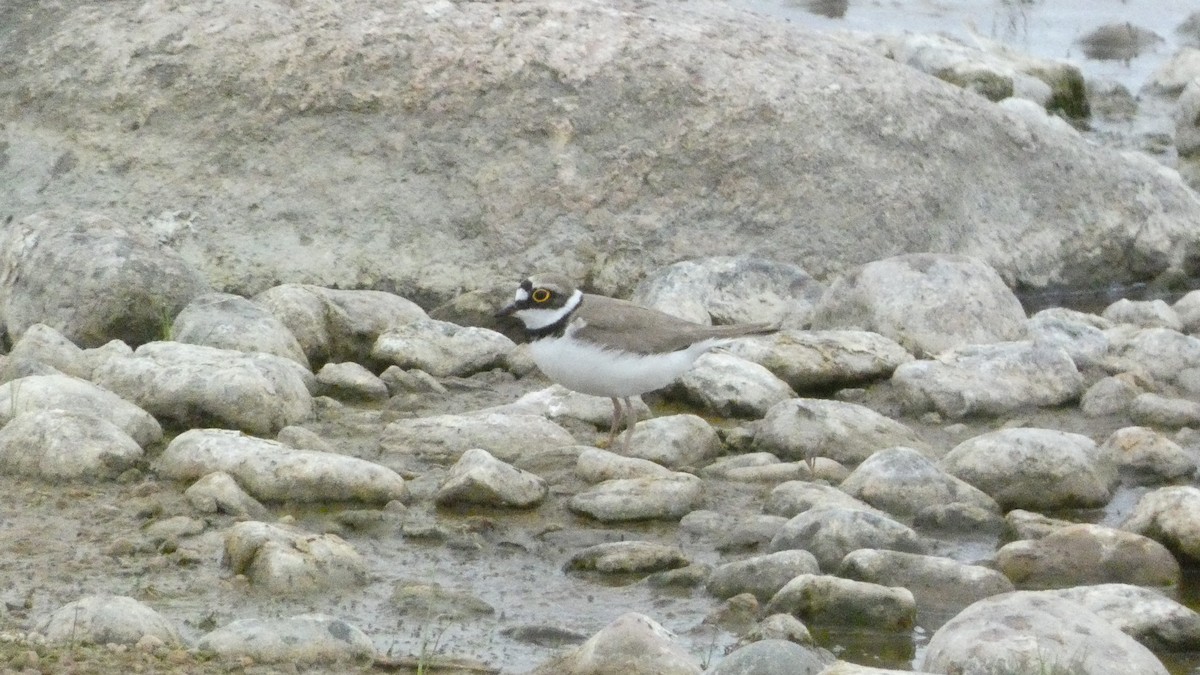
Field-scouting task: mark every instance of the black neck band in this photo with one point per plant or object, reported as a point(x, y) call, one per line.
point(556, 329)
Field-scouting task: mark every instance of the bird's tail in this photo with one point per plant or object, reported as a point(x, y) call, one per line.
point(744, 330)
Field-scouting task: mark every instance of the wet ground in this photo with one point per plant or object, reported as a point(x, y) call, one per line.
point(63, 542)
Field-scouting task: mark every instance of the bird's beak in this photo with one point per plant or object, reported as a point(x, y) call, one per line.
point(507, 310)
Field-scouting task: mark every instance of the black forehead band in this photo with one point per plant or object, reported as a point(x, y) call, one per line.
point(527, 285)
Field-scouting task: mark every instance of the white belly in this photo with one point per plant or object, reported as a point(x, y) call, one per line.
point(581, 367)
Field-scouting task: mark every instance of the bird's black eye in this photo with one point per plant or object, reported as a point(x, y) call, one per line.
point(540, 295)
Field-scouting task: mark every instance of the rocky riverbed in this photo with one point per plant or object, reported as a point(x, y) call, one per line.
point(257, 414)
point(868, 489)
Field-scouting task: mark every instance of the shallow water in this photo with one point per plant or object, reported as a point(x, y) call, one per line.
point(1043, 28)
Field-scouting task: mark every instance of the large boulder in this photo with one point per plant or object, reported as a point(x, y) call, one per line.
point(91, 279)
point(682, 130)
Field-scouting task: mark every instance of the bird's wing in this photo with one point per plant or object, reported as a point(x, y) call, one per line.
point(642, 330)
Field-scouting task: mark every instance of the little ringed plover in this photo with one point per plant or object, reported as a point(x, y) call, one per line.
point(603, 346)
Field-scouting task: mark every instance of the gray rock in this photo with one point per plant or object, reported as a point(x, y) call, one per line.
point(197, 385)
point(1164, 411)
point(721, 467)
point(1035, 468)
point(559, 403)
point(960, 518)
point(479, 478)
point(1110, 395)
point(272, 471)
point(45, 392)
point(1170, 516)
point(653, 498)
point(808, 360)
point(902, 481)
point(795, 497)
point(725, 290)
point(730, 386)
point(1028, 631)
point(632, 644)
point(219, 492)
point(412, 381)
point(828, 600)
point(441, 348)
point(1188, 308)
point(302, 439)
point(781, 627)
point(285, 559)
point(993, 379)
point(351, 381)
point(774, 473)
point(337, 325)
point(829, 533)
point(1147, 456)
point(227, 321)
point(595, 465)
point(1021, 524)
point(1176, 72)
point(846, 432)
point(761, 575)
point(1146, 615)
point(122, 285)
point(988, 68)
point(769, 657)
point(1080, 335)
point(102, 619)
point(1143, 313)
point(1160, 352)
point(939, 584)
point(676, 441)
point(1085, 554)
point(173, 529)
point(928, 303)
point(443, 438)
point(62, 444)
point(627, 557)
point(43, 344)
point(304, 639)
point(1118, 41)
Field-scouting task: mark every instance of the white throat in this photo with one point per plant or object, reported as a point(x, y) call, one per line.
point(535, 319)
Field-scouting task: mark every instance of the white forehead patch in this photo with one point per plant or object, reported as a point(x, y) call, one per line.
point(522, 295)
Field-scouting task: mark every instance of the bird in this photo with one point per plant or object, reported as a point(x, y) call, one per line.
point(603, 346)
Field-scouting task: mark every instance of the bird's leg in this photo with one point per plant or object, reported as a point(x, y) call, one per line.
point(631, 421)
point(616, 421)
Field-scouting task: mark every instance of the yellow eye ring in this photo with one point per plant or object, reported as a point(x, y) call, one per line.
point(540, 295)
